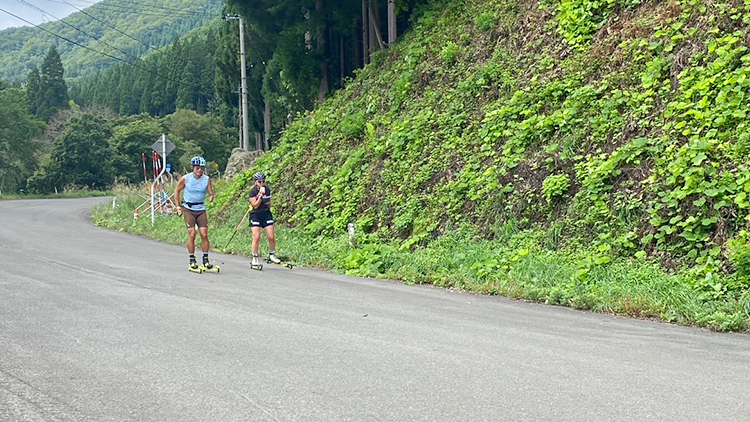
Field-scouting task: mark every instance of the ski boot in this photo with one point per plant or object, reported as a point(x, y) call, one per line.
point(207, 266)
point(272, 259)
point(254, 264)
point(194, 267)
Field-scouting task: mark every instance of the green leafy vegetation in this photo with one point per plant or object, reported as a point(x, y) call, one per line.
point(627, 121)
point(78, 158)
point(17, 128)
point(95, 149)
point(580, 153)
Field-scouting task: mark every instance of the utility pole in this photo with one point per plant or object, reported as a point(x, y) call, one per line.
point(243, 72)
point(243, 143)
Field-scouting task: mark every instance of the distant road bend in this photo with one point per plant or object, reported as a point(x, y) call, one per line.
point(98, 325)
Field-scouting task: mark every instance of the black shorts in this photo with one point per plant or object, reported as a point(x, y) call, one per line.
point(261, 218)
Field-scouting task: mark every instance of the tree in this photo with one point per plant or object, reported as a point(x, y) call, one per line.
point(130, 139)
point(80, 157)
point(129, 100)
point(206, 131)
point(309, 47)
point(33, 88)
point(176, 62)
point(17, 129)
point(53, 92)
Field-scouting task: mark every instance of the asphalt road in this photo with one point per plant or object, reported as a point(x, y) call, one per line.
point(97, 325)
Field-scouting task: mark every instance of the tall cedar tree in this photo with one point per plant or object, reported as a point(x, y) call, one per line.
point(33, 87)
point(53, 92)
point(308, 48)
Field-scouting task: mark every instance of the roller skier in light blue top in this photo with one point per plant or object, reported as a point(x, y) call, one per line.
point(195, 185)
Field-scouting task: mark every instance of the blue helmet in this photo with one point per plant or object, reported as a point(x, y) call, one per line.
point(198, 161)
point(259, 176)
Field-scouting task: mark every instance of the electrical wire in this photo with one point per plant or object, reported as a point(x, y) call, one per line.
point(146, 5)
point(24, 2)
point(99, 52)
point(124, 6)
point(149, 46)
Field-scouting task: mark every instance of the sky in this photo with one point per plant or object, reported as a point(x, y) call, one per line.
point(57, 8)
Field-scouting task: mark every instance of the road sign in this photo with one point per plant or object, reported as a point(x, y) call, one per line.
point(159, 148)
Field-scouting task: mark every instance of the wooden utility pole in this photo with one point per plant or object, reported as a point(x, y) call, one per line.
point(342, 68)
point(322, 62)
point(243, 143)
point(357, 62)
point(243, 72)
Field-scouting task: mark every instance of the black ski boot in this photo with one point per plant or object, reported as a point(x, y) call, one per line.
point(193, 266)
point(207, 266)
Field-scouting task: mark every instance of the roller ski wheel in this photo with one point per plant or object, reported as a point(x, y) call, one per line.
point(282, 263)
point(258, 267)
point(194, 268)
point(211, 268)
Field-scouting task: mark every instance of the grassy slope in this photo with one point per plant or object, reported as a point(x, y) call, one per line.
point(583, 154)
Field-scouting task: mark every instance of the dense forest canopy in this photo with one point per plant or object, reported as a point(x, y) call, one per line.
point(179, 76)
point(301, 51)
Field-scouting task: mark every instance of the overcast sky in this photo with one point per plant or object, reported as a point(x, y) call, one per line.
point(57, 8)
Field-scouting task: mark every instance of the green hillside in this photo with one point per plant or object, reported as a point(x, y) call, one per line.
point(582, 153)
point(593, 133)
point(104, 34)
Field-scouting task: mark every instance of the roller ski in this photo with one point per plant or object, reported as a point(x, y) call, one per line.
point(193, 267)
point(255, 265)
point(207, 266)
point(272, 259)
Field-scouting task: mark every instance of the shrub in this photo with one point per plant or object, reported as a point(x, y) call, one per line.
point(555, 186)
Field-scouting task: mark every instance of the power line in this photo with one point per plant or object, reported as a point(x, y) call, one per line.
point(146, 5)
point(142, 8)
point(103, 7)
point(99, 6)
point(99, 52)
point(111, 26)
point(76, 28)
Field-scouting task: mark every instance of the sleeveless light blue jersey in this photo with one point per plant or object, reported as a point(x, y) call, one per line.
point(195, 192)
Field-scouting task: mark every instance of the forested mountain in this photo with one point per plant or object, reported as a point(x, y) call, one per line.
point(178, 76)
point(97, 37)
